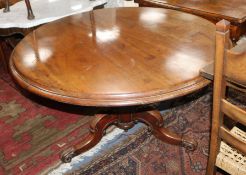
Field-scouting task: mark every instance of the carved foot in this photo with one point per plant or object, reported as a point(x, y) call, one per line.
point(189, 144)
point(6, 9)
point(67, 156)
point(97, 128)
point(30, 14)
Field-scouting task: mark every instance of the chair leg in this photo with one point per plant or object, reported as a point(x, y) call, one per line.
point(213, 151)
point(6, 9)
point(30, 14)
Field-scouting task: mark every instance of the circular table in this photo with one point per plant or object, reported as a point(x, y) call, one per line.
point(117, 58)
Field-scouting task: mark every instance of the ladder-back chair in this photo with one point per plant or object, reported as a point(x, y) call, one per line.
point(228, 147)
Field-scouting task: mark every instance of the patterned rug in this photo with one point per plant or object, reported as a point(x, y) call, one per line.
point(143, 154)
point(34, 131)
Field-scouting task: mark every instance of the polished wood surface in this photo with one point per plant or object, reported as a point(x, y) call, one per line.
point(233, 10)
point(11, 2)
point(3, 59)
point(213, 10)
point(230, 64)
point(116, 57)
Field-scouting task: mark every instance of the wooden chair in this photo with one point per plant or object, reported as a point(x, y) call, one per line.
point(30, 14)
point(227, 147)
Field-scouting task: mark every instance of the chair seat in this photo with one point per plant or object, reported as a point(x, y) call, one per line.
point(229, 159)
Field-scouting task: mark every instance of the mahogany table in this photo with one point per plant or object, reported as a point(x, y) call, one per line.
point(118, 59)
point(213, 10)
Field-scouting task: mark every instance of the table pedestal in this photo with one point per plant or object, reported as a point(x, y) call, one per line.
point(126, 121)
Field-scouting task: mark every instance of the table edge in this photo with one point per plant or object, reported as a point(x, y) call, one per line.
point(198, 12)
point(110, 100)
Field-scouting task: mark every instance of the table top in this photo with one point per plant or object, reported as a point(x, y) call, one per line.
point(232, 10)
point(116, 57)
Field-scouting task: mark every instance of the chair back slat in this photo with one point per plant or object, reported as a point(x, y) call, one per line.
point(235, 67)
point(232, 140)
point(236, 86)
point(233, 112)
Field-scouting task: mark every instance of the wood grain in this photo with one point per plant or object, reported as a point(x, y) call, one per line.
point(11, 2)
point(213, 10)
point(116, 57)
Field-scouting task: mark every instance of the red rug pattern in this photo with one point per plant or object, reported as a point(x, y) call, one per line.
point(33, 135)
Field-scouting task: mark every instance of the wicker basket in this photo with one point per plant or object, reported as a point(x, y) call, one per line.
point(229, 159)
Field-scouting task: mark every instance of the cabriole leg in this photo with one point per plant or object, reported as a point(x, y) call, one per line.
point(6, 9)
point(155, 121)
point(30, 14)
point(97, 128)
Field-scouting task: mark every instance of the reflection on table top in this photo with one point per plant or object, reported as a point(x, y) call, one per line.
point(113, 57)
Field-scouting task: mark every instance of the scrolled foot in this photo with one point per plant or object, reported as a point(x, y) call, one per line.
point(67, 156)
point(31, 16)
point(189, 144)
point(5, 10)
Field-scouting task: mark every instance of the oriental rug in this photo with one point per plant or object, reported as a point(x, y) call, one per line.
point(140, 153)
point(35, 132)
